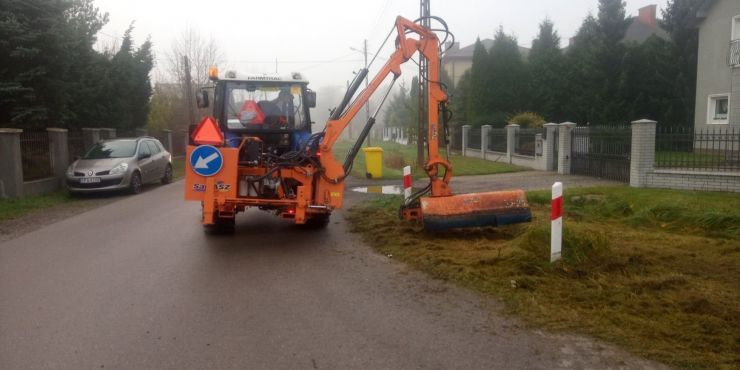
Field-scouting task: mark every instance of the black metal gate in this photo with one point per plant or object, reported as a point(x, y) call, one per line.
point(602, 152)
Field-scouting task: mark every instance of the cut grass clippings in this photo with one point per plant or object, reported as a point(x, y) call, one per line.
point(396, 156)
point(654, 271)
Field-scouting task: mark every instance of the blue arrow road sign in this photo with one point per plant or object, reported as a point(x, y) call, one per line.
point(206, 160)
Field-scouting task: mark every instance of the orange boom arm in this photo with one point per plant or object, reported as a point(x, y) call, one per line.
point(427, 45)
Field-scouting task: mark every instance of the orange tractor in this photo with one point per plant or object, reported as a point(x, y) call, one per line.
point(257, 150)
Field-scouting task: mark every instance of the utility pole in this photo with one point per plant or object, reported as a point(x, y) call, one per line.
point(189, 89)
point(423, 86)
point(367, 103)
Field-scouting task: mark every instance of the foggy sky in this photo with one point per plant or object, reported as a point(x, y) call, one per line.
point(314, 37)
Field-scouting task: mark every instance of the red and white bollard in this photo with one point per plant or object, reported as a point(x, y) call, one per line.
point(556, 219)
point(407, 182)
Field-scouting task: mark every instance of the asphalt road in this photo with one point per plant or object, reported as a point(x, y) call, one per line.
point(136, 284)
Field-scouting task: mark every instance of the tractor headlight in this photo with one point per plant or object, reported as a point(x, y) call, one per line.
point(120, 168)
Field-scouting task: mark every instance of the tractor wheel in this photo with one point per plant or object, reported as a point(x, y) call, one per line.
point(318, 221)
point(220, 226)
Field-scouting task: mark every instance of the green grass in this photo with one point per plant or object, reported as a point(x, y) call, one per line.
point(14, 208)
point(396, 156)
point(178, 168)
point(654, 271)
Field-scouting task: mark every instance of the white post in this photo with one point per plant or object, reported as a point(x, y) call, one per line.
point(556, 219)
point(407, 182)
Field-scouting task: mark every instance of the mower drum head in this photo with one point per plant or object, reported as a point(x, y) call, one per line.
point(475, 210)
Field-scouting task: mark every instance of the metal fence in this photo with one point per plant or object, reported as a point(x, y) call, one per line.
point(602, 152)
point(179, 143)
point(525, 141)
point(708, 149)
point(497, 140)
point(35, 156)
point(456, 139)
point(474, 138)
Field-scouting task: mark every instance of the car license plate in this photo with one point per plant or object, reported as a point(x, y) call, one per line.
point(89, 180)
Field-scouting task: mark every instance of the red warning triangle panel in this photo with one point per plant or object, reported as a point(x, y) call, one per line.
point(208, 133)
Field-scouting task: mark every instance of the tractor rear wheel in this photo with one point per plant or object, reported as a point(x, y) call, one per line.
point(319, 221)
point(220, 226)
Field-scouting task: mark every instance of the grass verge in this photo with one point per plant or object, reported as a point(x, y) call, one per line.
point(396, 156)
point(178, 168)
point(14, 208)
point(654, 271)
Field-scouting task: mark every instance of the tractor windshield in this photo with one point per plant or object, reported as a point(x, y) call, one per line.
point(257, 105)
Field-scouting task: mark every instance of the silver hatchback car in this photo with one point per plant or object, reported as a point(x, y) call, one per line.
point(120, 164)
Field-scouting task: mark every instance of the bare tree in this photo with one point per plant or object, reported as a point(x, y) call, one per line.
point(202, 52)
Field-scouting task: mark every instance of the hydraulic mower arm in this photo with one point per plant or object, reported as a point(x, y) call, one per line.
point(441, 209)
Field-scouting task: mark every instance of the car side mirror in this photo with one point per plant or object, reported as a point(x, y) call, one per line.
point(144, 156)
point(201, 99)
point(311, 98)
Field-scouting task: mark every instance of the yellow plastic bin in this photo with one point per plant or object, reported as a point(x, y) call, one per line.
point(373, 162)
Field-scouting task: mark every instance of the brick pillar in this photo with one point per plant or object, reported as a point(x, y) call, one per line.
point(548, 147)
point(643, 151)
point(564, 147)
point(465, 139)
point(59, 152)
point(142, 132)
point(484, 132)
point(167, 140)
point(90, 137)
point(511, 140)
point(11, 167)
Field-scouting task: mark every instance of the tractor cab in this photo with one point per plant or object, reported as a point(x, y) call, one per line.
point(274, 109)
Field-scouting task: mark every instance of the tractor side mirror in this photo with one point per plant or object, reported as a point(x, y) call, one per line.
point(201, 99)
point(311, 98)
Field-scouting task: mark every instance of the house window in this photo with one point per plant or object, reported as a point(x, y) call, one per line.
point(736, 28)
point(718, 109)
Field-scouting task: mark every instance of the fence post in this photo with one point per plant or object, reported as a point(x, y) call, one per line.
point(90, 137)
point(564, 147)
point(485, 130)
point(167, 140)
point(548, 147)
point(642, 157)
point(59, 152)
point(141, 131)
point(465, 139)
point(11, 166)
point(511, 131)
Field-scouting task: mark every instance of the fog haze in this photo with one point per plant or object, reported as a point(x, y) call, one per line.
point(316, 37)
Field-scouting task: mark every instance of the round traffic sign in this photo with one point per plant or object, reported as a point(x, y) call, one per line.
point(206, 160)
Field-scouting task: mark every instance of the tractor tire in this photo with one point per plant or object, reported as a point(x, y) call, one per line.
point(220, 226)
point(318, 221)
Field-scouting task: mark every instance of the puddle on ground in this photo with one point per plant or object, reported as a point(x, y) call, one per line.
point(380, 189)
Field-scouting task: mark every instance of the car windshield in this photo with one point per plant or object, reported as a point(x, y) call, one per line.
point(256, 105)
point(112, 149)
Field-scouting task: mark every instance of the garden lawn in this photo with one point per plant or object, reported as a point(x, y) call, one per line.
point(396, 156)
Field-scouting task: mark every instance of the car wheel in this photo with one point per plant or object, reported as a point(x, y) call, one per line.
point(167, 178)
point(319, 221)
point(135, 185)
